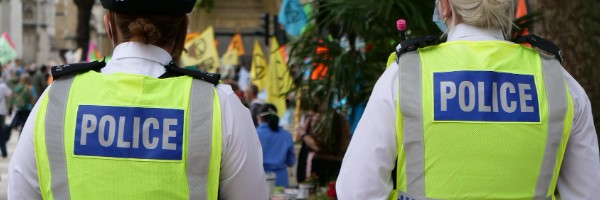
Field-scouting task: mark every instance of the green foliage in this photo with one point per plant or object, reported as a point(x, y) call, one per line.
point(376, 20)
point(320, 196)
point(352, 72)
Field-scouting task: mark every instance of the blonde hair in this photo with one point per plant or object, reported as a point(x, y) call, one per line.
point(485, 13)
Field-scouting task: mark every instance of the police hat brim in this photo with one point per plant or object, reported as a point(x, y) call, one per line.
point(158, 7)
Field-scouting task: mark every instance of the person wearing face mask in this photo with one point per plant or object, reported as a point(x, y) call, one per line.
point(138, 127)
point(475, 117)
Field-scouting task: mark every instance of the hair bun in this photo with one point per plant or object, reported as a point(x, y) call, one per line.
point(144, 31)
point(486, 13)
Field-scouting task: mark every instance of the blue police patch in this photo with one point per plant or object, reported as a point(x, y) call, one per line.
point(129, 132)
point(485, 96)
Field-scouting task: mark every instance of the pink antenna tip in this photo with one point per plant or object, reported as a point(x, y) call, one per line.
point(401, 25)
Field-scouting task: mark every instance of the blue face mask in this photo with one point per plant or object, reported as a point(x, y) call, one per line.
point(436, 19)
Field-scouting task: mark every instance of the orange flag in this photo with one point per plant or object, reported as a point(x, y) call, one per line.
point(237, 44)
point(522, 11)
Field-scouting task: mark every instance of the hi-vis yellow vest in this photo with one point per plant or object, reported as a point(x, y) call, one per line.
point(480, 120)
point(125, 136)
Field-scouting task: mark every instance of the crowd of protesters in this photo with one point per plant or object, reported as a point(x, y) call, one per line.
point(20, 87)
point(319, 156)
point(318, 161)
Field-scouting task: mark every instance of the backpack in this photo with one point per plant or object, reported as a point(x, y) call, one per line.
point(22, 97)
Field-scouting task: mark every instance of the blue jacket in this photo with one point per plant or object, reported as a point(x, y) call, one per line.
point(278, 152)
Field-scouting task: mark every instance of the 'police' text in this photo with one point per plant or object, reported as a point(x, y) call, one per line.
point(485, 96)
point(129, 132)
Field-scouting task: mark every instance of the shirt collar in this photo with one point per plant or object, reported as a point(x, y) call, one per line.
point(472, 33)
point(138, 58)
point(139, 50)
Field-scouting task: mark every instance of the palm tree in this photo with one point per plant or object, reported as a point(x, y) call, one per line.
point(352, 70)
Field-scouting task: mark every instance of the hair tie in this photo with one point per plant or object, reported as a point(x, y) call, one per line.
point(269, 112)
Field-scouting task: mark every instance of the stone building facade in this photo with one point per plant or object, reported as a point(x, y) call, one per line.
point(236, 16)
point(43, 28)
point(40, 29)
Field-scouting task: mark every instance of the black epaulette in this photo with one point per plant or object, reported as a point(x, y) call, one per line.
point(416, 43)
point(76, 68)
point(174, 71)
point(542, 44)
point(171, 71)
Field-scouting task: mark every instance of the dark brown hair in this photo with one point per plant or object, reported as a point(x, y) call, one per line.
point(269, 112)
point(165, 31)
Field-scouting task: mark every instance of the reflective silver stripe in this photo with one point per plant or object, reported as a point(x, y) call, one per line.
point(200, 137)
point(55, 142)
point(557, 110)
point(411, 109)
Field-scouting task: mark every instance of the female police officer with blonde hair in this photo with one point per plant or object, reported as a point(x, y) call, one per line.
point(476, 117)
point(138, 127)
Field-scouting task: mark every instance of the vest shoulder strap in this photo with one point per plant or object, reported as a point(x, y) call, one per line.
point(416, 43)
point(425, 41)
point(541, 44)
point(172, 70)
point(63, 70)
point(175, 71)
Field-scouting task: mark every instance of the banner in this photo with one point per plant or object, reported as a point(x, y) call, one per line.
point(258, 69)
point(279, 80)
point(7, 49)
point(90, 53)
point(190, 36)
point(522, 10)
point(93, 54)
point(228, 63)
point(201, 51)
point(230, 58)
point(237, 44)
point(284, 54)
point(319, 69)
point(292, 16)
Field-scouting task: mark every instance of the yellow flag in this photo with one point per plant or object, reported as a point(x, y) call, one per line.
point(238, 44)
point(230, 58)
point(202, 51)
point(258, 69)
point(278, 80)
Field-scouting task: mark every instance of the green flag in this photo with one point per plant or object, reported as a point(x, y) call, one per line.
point(7, 52)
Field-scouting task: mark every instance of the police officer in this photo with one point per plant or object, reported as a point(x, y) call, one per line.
point(476, 117)
point(138, 127)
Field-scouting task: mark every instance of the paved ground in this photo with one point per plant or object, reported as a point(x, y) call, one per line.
point(12, 143)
